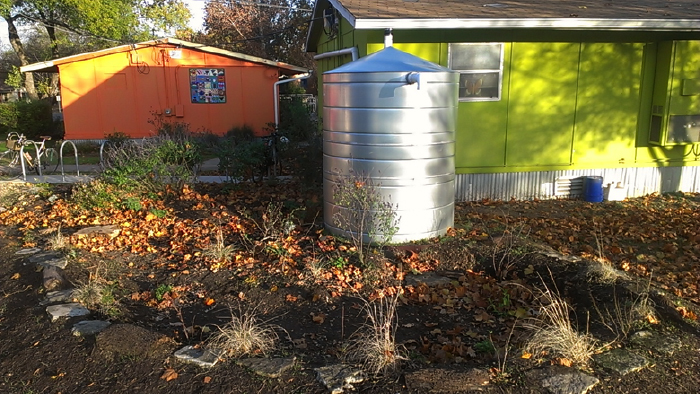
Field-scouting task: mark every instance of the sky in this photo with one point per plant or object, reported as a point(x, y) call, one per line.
point(196, 8)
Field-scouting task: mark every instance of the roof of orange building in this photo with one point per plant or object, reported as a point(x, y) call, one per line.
point(52, 65)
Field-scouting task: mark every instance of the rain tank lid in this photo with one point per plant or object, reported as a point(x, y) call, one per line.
point(389, 59)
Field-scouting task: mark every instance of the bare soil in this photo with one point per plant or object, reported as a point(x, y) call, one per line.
point(467, 321)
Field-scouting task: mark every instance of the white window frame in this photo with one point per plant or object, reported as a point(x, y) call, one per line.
point(479, 71)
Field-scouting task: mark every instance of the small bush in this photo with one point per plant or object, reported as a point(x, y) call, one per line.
point(241, 160)
point(149, 164)
point(31, 118)
point(364, 215)
point(117, 139)
point(95, 194)
point(296, 121)
point(240, 134)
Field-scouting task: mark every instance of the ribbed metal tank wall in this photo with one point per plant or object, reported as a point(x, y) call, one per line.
point(391, 116)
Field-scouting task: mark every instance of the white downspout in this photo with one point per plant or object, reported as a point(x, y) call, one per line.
point(276, 94)
point(347, 51)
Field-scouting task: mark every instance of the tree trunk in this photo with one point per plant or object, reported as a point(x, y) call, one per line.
point(53, 88)
point(19, 50)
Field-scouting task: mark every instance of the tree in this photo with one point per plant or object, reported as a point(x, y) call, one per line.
point(271, 29)
point(105, 21)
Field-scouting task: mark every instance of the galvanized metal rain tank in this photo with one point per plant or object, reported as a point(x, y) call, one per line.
point(391, 116)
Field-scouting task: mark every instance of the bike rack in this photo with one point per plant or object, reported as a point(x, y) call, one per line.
point(102, 148)
point(75, 150)
point(21, 158)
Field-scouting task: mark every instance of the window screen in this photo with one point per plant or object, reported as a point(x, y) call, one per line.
point(480, 67)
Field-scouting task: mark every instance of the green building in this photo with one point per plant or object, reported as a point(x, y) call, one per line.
point(550, 91)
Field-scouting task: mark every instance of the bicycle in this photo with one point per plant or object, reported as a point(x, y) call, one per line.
point(38, 160)
point(274, 144)
point(13, 143)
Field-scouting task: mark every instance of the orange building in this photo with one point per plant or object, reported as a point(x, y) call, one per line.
point(130, 87)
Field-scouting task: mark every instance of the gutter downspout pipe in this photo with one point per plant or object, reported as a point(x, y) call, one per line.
point(347, 51)
point(276, 94)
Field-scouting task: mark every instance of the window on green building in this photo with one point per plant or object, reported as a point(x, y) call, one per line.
point(481, 69)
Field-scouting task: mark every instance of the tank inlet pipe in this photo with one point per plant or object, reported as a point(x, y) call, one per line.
point(413, 77)
point(276, 94)
point(347, 51)
point(388, 38)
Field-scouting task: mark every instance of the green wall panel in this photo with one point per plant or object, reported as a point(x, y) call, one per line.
point(607, 104)
point(542, 102)
point(481, 127)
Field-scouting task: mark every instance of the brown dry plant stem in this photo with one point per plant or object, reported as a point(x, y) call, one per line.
point(624, 316)
point(509, 249)
point(373, 345)
point(219, 251)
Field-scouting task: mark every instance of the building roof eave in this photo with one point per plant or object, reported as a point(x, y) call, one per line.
point(52, 65)
point(687, 25)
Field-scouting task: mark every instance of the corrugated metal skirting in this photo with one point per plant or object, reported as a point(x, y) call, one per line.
point(568, 184)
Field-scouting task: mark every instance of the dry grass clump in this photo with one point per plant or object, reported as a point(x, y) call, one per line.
point(374, 345)
point(219, 251)
point(554, 333)
point(604, 272)
point(58, 242)
point(244, 335)
point(97, 294)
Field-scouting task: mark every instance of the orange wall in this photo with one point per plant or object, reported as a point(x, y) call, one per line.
point(125, 91)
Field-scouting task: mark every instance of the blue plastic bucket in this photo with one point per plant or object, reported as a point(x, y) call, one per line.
point(593, 188)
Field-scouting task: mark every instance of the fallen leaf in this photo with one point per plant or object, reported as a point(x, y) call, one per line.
point(686, 313)
point(15, 276)
point(207, 379)
point(169, 375)
point(529, 270)
point(291, 298)
point(318, 318)
point(565, 362)
point(526, 355)
point(209, 301)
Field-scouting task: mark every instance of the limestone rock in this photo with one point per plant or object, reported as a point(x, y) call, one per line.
point(53, 278)
point(338, 378)
point(27, 251)
point(268, 367)
point(60, 296)
point(621, 361)
point(66, 310)
point(430, 279)
point(561, 380)
point(47, 259)
point(109, 230)
point(655, 342)
point(436, 380)
point(202, 357)
point(89, 327)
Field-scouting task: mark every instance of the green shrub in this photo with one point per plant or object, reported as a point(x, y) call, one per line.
point(242, 160)
point(296, 121)
point(32, 118)
point(117, 139)
point(147, 165)
point(241, 133)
